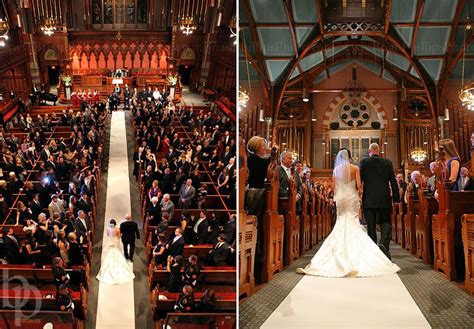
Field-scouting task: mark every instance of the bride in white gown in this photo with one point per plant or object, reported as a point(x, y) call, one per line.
point(348, 251)
point(114, 269)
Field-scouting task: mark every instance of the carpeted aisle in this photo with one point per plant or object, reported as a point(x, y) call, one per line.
point(116, 304)
point(315, 302)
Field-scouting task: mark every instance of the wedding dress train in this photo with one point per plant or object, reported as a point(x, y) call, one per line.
point(348, 251)
point(115, 269)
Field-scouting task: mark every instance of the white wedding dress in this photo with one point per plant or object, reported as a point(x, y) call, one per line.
point(115, 269)
point(348, 251)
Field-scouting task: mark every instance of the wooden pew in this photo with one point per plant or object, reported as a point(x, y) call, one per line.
point(305, 224)
point(468, 242)
point(393, 219)
point(446, 224)
point(292, 226)
point(400, 225)
point(247, 233)
point(273, 225)
point(226, 302)
point(199, 320)
point(225, 275)
point(314, 219)
point(37, 319)
point(412, 210)
point(424, 236)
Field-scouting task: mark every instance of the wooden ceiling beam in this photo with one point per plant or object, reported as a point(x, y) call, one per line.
point(419, 12)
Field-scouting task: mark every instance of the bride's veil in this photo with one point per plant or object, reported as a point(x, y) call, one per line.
point(342, 170)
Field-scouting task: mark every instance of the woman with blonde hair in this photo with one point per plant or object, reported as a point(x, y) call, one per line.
point(448, 153)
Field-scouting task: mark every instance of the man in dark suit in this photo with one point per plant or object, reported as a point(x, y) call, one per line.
point(176, 246)
point(12, 246)
point(378, 177)
point(230, 229)
point(284, 171)
point(128, 231)
point(186, 194)
point(219, 253)
point(75, 252)
point(200, 229)
point(35, 206)
point(464, 182)
point(82, 225)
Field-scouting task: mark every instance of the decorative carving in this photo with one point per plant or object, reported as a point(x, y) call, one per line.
point(354, 27)
point(188, 53)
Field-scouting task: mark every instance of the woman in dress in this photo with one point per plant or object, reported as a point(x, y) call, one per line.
point(348, 251)
point(114, 268)
point(450, 156)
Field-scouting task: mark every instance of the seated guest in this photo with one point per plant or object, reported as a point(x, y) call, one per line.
point(200, 229)
point(160, 252)
point(174, 267)
point(64, 299)
point(218, 254)
point(450, 156)
point(186, 194)
point(176, 246)
point(167, 206)
point(208, 302)
point(60, 275)
point(191, 271)
point(464, 182)
point(75, 251)
point(185, 302)
point(414, 186)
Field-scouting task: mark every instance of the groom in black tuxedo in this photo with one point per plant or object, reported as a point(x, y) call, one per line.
point(128, 231)
point(378, 177)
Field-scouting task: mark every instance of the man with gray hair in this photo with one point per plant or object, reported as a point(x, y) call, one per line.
point(431, 183)
point(464, 182)
point(284, 171)
point(378, 181)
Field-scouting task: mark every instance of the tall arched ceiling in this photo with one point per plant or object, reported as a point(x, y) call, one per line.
point(297, 41)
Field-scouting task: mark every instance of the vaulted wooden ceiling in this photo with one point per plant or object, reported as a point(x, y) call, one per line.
point(302, 42)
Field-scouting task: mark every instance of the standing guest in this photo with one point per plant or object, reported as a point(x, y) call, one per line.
point(449, 154)
point(74, 252)
point(200, 229)
point(431, 183)
point(464, 182)
point(208, 302)
point(160, 252)
point(56, 206)
point(167, 206)
point(186, 194)
point(12, 246)
point(414, 186)
point(230, 229)
point(176, 245)
point(218, 254)
point(60, 275)
point(174, 267)
point(153, 212)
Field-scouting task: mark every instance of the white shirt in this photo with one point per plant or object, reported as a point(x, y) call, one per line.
point(287, 170)
point(176, 238)
point(200, 220)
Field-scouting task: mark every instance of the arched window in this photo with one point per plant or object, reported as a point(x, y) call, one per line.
point(119, 13)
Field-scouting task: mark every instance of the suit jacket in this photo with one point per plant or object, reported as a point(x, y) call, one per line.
point(230, 230)
point(75, 254)
point(431, 185)
point(129, 230)
point(187, 196)
point(377, 176)
point(469, 186)
point(201, 236)
point(36, 209)
point(13, 249)
point(176, 248)
point(219, 254)
point(80, 229)
point(169, 208)
point(285, 183)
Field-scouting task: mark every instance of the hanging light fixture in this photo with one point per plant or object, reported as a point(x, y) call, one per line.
point(4, 26)
point(305, 95)
point(48, 15)
point(244, 95)
point(233, 30)
point(466, 94)
point(313, 115)
point(418, 154)
point(292, 141)
point(395, 113)
point(186, 21)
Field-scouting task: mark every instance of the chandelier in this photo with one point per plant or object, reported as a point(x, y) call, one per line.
point(244, 97)
point(187, 25)
point(418, 154)
point(4, 26)
point(48, 15)
point(466, 95)
point(49, 26)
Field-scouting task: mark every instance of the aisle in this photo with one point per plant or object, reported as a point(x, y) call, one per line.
point(381, 302)
point(116, 305)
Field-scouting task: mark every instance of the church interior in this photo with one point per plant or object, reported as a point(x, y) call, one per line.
point(318, 76)
point(118, 127)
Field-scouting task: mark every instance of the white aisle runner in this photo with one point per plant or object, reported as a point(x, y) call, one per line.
point(378, 302)
point(116, 303)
